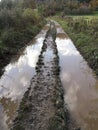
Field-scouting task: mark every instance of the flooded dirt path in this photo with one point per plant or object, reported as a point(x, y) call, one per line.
point(42, 107)
point(17, 78)
point(79, 82)
point(44, 100)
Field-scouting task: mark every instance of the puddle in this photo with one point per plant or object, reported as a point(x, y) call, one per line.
point(16, 79)
point(62, 35)
point(80, 84)
point(48, 55)
point(79, 81)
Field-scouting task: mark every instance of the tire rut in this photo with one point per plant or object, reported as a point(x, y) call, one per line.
point(42, 107)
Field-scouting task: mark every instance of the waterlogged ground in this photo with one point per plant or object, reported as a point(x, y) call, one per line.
point(42, 107)
point(16, 79)
point(79, 82)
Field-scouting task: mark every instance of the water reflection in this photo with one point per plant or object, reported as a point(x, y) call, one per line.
point(80, 85)
point(9, 109)
point(16, 79)
point(62, 35)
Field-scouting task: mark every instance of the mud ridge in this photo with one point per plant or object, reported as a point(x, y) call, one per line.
point(42, 107)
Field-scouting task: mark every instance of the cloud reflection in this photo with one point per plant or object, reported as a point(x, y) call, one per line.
point(79, 83)
point(16, 79)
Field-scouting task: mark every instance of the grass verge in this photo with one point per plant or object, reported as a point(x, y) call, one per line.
point(83, 31)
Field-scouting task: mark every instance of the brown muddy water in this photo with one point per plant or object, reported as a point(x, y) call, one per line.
point(79, 82)
point(16, 80)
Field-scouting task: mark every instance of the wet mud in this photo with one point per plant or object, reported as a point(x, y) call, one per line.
point(42, 107)
point(17, 77)
point(80, 85)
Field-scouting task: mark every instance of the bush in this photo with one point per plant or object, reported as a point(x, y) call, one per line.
point(67, 11)
point(31, 15)
point(5, 19)
point(83, 10)
point(11, 38)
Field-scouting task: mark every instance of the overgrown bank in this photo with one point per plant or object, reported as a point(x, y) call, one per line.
point(19, 23)
point(7, 53)
point(84, 32)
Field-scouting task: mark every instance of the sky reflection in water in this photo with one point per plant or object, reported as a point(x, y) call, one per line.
point(80, 84)
point(16, 79)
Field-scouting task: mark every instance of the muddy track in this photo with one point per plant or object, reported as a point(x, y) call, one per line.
point(42, 107)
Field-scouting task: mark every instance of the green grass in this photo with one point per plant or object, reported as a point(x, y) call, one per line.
point(1, 44)
point(83, 31)
point(96, 13)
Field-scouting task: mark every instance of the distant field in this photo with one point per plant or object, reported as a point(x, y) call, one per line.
point(96, 13)
point(88, 18)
